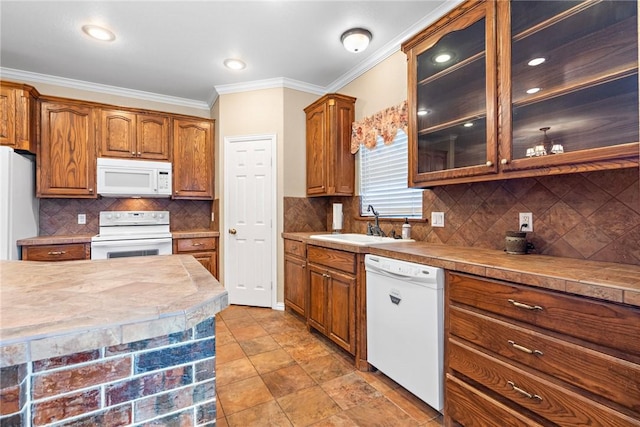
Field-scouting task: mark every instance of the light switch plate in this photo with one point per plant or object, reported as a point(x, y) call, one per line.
point(82, 218)
point(437, 219)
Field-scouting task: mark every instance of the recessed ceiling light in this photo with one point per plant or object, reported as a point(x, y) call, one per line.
point(533, 90)
point(443, 57)
point(234, 64)
point(423, 112)
point(536, 61)
point(468, 124)
point(99, 33)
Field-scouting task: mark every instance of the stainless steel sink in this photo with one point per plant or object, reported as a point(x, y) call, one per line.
point(356, 239)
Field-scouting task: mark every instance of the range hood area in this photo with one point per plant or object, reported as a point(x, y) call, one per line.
point(133, 178)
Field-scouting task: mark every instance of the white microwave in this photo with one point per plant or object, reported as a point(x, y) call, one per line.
point(133, 178)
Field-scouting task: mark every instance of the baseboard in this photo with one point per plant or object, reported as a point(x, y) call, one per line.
point(279, 306)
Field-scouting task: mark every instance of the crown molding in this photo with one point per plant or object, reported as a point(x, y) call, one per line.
point(21, 75)
point(279, 82)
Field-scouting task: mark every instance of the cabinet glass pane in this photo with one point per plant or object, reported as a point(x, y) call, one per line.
point(451, 101)
point(586, 89)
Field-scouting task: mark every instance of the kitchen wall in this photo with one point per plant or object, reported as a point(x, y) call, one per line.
point(60, 216)
point(276, 111)
point(593, 216)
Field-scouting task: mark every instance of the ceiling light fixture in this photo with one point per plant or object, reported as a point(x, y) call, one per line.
point(356, 39)
point(536, 61)
point(234, 64)
point(99, 33)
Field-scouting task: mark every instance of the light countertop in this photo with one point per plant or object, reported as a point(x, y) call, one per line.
point(49, 309)
point(603, 280)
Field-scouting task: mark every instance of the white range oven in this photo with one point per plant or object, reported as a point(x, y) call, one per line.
point(132, 233)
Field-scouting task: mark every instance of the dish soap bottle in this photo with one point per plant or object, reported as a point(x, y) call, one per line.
point(406, 229)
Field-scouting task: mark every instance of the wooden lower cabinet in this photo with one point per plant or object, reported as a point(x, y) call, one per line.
point(295, 277)
point(204, 249)
point(332, 286)
point(57, 252)
point(517, 355)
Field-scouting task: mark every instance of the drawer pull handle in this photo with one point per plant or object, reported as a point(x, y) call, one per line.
point(525, 306)
point(197, 244)
point(525, 349)
point(524, 392)
point(325, 275)
point(57, 252)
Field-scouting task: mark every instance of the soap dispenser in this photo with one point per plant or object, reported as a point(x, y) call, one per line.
point(406, 229)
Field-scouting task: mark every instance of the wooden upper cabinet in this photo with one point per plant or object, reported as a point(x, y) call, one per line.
point(330, 164)
point(66, 154)
point(193, 159)
point(130, 135)
point(488, 112)
point(18, 116)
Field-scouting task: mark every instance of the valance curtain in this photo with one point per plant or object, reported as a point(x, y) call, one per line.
point(384, 123)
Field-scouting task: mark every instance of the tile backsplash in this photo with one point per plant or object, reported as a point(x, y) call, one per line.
point(60, 216)
point(594, 215)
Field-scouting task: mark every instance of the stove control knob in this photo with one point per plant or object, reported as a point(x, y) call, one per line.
point(117, 215)
point(109, 216)
point(153, 215)
point(161, 215)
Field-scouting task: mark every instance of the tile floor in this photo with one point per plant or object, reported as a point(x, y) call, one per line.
point(270, 371)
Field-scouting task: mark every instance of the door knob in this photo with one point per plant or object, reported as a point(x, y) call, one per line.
point(232, 231)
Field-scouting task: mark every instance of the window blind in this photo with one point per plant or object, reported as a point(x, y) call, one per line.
point(383, 180)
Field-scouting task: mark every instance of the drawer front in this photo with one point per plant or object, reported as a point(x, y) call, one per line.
point(336, 260)
point(599, 322)
point(293, 247)
point(197, 244)
point(472, 408)
point(615, 379)
point(544, 398)
point(67, 252)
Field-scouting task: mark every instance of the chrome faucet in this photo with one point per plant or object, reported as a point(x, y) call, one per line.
point(375, 230)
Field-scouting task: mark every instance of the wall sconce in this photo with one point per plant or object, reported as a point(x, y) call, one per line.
point(356, 39)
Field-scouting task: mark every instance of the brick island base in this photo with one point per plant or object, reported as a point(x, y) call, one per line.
point(162, 381)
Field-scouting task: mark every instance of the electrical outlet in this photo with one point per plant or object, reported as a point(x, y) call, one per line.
point(526, 221)
point(437, 219)
point(82, 218)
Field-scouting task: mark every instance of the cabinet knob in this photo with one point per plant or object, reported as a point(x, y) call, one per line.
point(232, 231)
point(504, 161)
point(489, 163)
point(139, 154)
point(304, 265)
point(133, 153)
point(91, 190)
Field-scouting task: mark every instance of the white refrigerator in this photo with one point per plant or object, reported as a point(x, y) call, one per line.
point(18, 204)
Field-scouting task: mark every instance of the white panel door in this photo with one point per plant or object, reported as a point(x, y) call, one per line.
point(249, 190)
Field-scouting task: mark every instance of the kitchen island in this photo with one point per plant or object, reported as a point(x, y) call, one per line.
point(108, 342)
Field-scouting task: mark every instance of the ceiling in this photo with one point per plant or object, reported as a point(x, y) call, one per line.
point(174, 50)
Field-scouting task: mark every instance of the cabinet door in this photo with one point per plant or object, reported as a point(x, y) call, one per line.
point(453, 97)
point(192, 159)
point(341, 324)
point(7, 116)
point(342, 167)
point(317, 156)
point(208, 260)
point(317, 285)
point(571, 83)
point(295, 284)
point(118, 134)
point(153, 137)
point(67, 164)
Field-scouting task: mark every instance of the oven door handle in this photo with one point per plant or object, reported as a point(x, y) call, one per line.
point(129, 243)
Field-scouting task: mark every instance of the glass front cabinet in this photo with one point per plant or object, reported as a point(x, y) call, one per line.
point(502, 89)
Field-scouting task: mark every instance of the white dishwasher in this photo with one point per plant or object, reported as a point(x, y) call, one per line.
point(405, 325)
